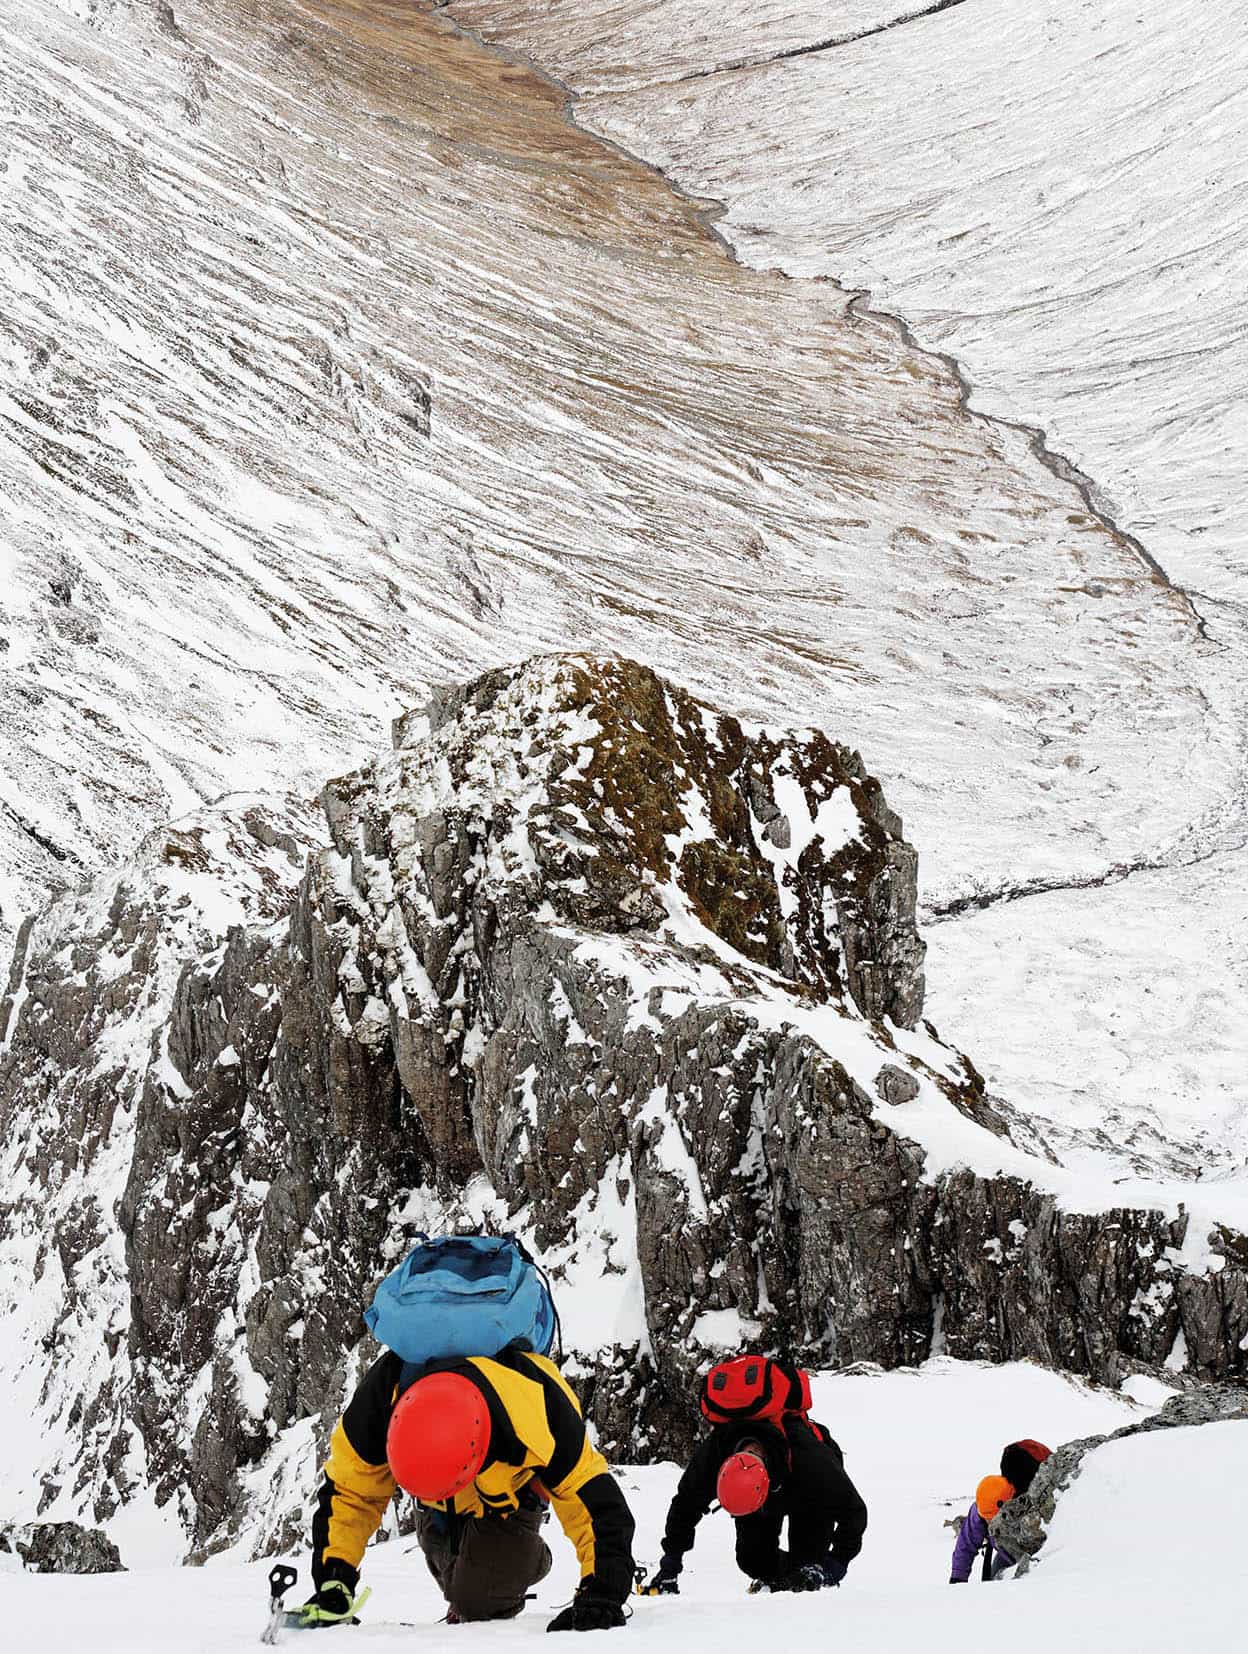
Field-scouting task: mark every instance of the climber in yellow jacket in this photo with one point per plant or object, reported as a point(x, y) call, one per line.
point(483, 1445)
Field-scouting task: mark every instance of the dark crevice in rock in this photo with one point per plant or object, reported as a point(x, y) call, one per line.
point(828, 45)
point(56, 851)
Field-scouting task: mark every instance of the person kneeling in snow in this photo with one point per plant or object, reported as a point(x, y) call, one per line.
point(1019, 1464)
point(483, 1445)
point(762, 1472)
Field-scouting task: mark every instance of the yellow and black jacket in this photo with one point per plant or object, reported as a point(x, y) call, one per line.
point(537, 1435)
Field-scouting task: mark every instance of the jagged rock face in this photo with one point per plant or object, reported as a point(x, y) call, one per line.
point(1099, 1293)
point(1022, 1525)
point(84, 1021)
point(431, 1014)
point(256, 1210)
point(784, 850)
point(586, 959)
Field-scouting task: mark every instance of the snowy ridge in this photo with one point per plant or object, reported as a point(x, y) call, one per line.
point(566, 966)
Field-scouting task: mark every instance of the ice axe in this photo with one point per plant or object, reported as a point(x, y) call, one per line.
point(281, 1578)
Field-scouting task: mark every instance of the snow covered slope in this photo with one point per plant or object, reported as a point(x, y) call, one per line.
point(587, 958)
point(1056, 196)
point(336, 361)
point(915, 1444)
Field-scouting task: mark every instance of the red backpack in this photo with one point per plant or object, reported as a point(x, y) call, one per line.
point(754, 1387)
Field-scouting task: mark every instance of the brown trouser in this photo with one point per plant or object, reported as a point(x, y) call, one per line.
point(485, 1564)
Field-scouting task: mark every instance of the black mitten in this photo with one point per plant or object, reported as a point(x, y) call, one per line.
point(589, 1611)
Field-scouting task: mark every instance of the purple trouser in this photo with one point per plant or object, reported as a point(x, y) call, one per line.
point(970, 1542)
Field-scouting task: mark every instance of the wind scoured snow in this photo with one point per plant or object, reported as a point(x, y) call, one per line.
point(296, 503)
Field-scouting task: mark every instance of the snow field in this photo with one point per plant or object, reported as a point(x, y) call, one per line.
point(1148, 1517)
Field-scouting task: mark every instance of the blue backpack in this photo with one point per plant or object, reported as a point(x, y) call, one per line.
point(461, 1295)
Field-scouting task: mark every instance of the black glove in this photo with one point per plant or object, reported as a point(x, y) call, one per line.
point(809, 1577)
point(333, 1604)
point(588, 1611)
point(666, 1582)
point(335, 1568)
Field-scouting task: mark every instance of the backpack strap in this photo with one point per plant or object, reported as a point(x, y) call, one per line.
point(409, 1372)
point(557, 1341)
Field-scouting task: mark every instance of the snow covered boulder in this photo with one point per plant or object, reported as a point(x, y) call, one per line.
point(1023, 1526)
point(61, 1548)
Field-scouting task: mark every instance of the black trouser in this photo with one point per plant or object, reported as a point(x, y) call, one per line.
point(758, 1540)
point(484, 1564)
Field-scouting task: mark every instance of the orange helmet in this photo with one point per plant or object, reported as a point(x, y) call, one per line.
point(743, 1484)
point(991, 1494)
point(439, 1435)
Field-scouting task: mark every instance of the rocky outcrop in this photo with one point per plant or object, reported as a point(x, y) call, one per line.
point(1021, 1528)
point(587, 959)
point(61, 1548)
point(519, 968)
point(83, 1024)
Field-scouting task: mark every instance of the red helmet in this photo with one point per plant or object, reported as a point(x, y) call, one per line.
point(1021, 1460)
point(743, 1484)
point(439, 1435)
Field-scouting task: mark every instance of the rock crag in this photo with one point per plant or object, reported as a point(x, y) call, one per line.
point(61, 1548)
point(587, 959)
